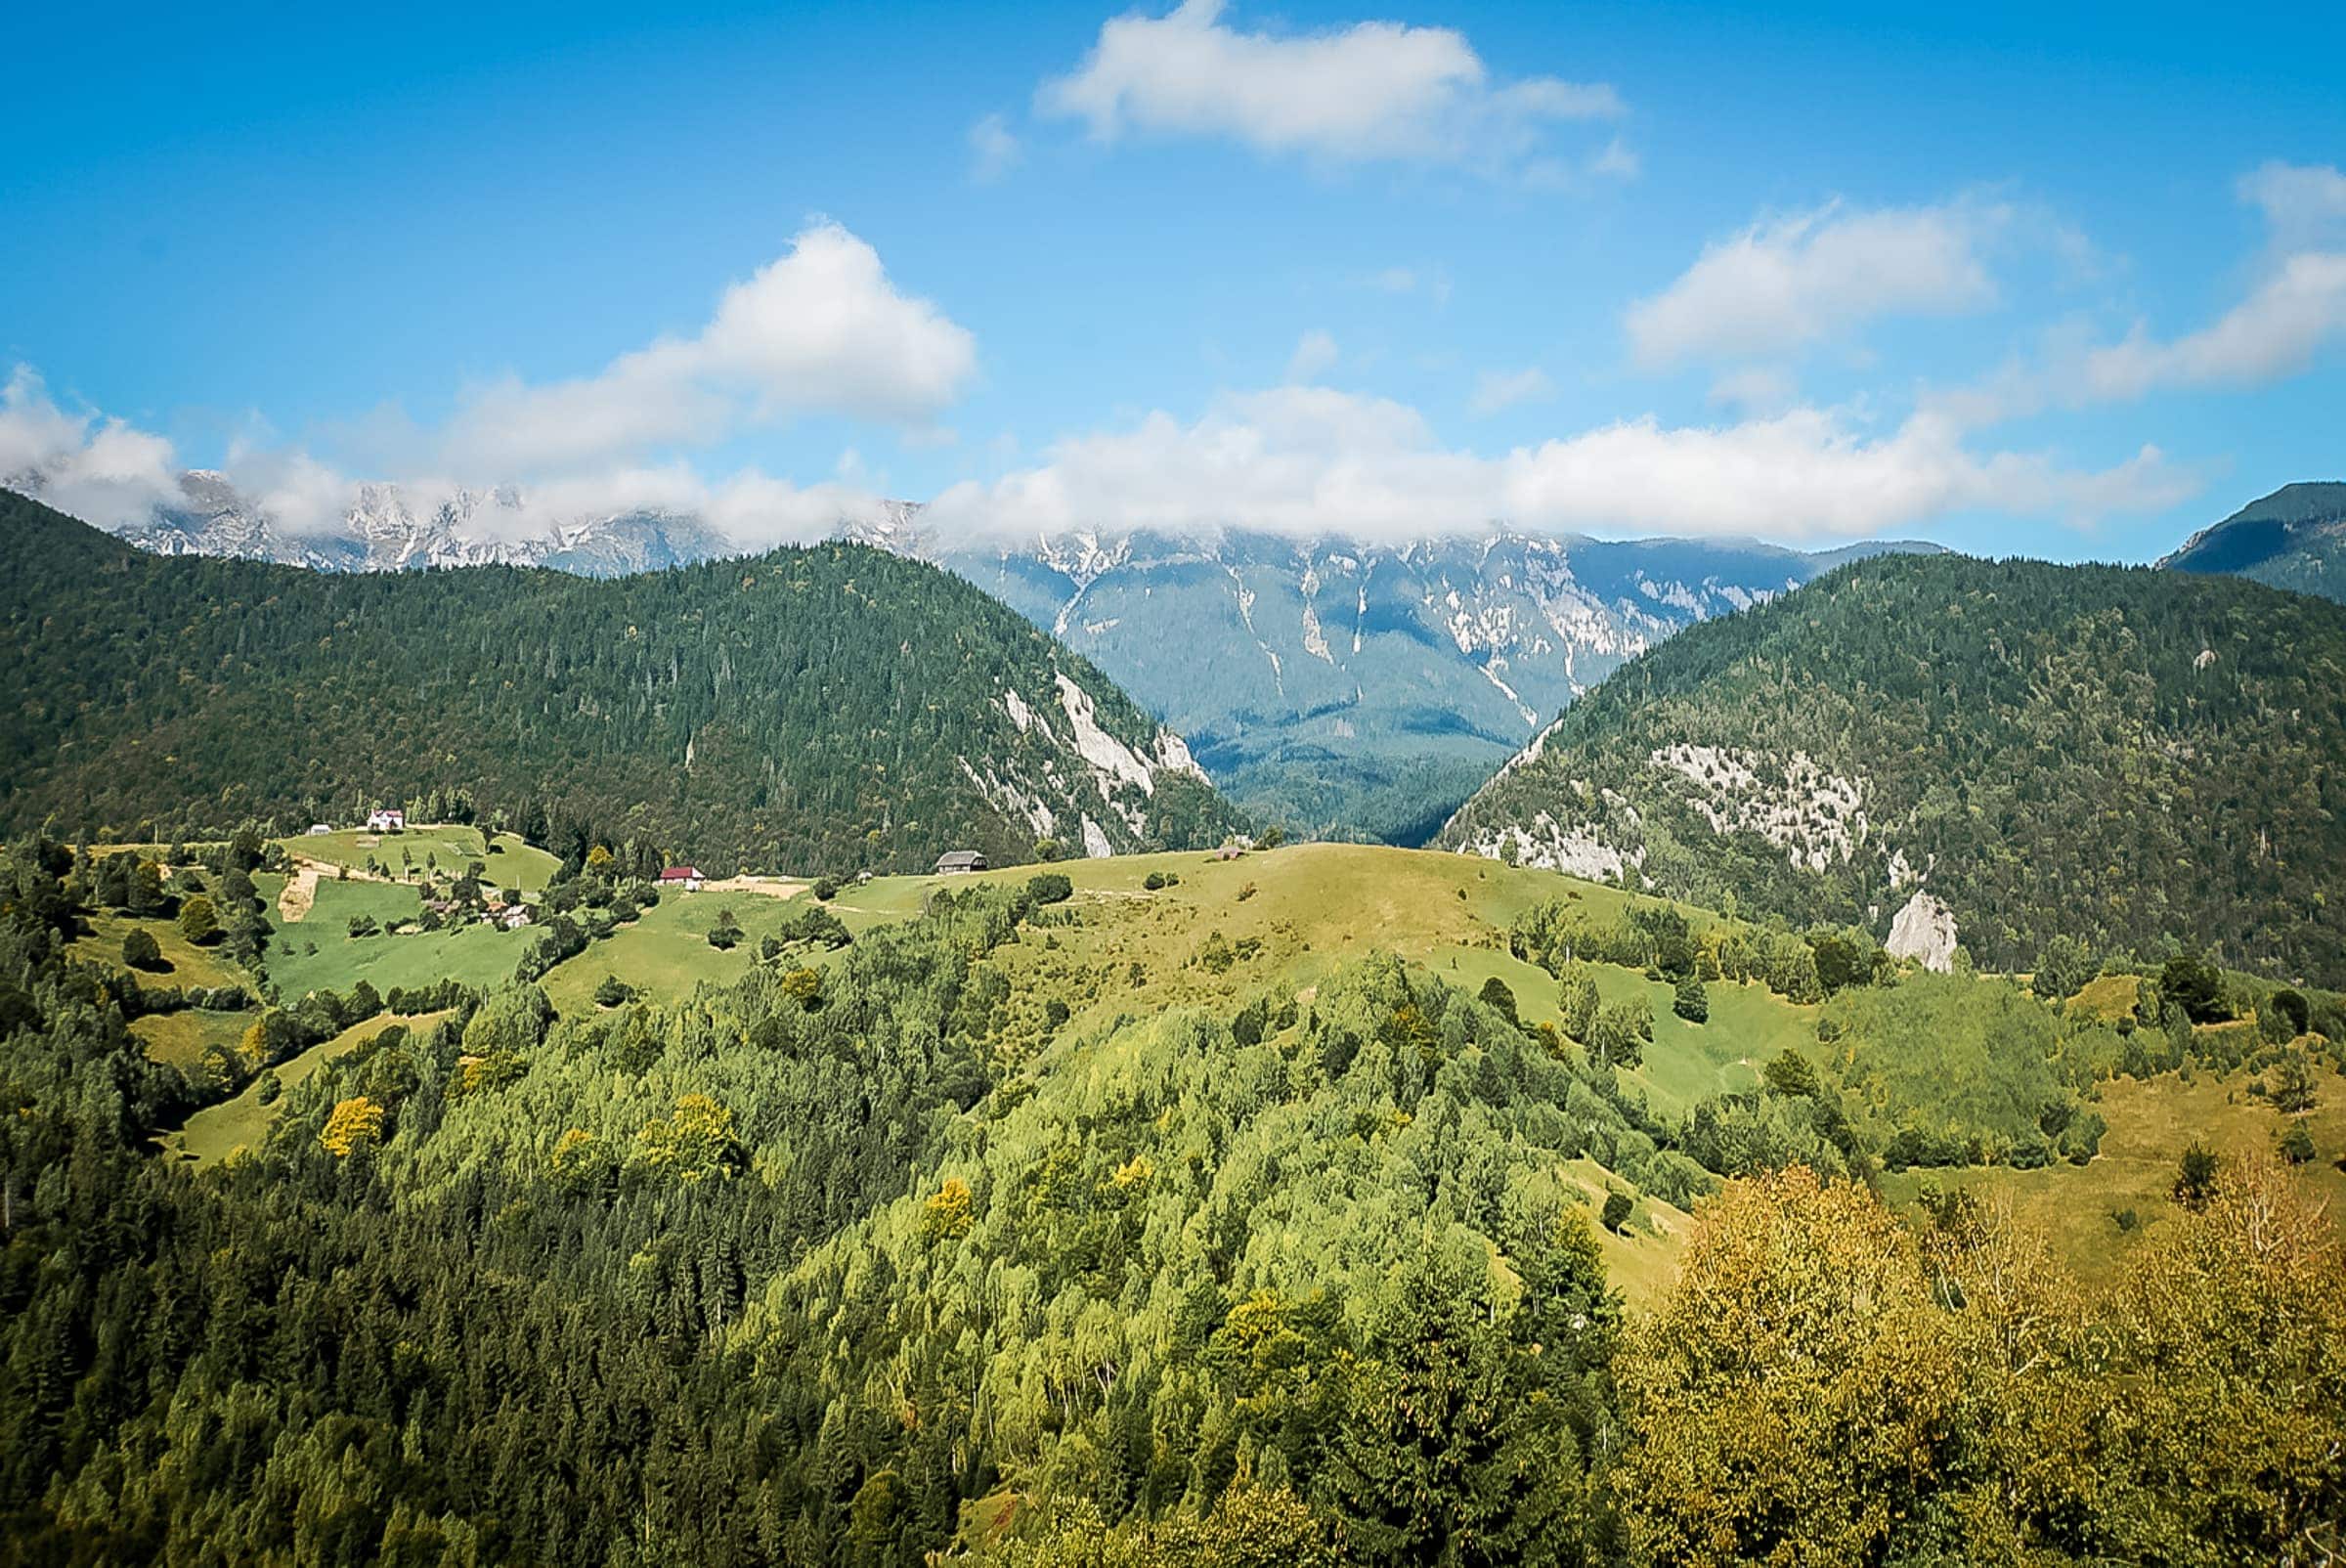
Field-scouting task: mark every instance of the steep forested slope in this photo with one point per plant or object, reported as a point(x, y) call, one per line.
point(2133, 757)
point(831, 708)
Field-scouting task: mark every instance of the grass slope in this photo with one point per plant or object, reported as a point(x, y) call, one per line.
point(181, 1038)
point(665, 954)
point(474, 953)
point(454, 844)
point(216, 1132)
point(190, 965)
point(2151, 1122)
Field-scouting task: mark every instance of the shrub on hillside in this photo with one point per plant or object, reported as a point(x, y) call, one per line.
point(199, 921)
point(140, 950)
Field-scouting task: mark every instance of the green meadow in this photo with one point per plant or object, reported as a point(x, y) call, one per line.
point(472, 953)
point(449, 847)
point(181, 1038)
point(189, 965)
point(216, 1132)
point(665, 952)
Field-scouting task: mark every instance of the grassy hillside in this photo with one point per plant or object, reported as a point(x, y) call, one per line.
point(507, 860)
point(2136, 759)
point(827, 708)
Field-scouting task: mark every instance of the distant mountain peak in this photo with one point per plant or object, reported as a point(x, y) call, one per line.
point(388, 527)
point(2294, 537)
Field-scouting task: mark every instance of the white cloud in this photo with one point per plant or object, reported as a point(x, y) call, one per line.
point(2295, 310)
point(1374, 90)
point(1754, 389)
point(97, 469)
point(1495, 390)
point(2304, 204)
point(1789, 282)
point(1312, 461)
point(2274, 333)
point(291, 487)
point(819, 329)
point(993, 150)
point(1618, 162)
point(749, 508)
point(1316, 354)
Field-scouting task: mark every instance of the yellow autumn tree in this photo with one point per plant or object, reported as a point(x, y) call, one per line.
point(804, 987)
point(352, 1122)
point(2236, 1321)
point(580, 1159)
point(1793, 1395)
point(950, 1212)
point(695, 1142)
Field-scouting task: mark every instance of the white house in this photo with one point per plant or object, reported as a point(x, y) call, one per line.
point(391, 819)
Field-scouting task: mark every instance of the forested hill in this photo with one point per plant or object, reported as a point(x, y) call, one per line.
point(2128, 758)
point(831, 708)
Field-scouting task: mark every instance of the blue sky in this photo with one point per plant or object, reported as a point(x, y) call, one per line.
point(2059, 282)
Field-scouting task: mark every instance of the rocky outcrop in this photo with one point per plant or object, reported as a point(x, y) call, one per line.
point(1925, 930)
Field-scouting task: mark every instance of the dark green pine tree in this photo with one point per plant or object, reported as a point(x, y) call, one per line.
point(1451, 1451)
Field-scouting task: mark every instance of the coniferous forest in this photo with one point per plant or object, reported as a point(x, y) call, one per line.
point(2130, 760)
point(833, 709)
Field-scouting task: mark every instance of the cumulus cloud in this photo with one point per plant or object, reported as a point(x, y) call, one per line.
point(2296, 309)
point(99, 470)
point(752, 509)
point(820, 329)
point(1618, 160)
point(1370, 91)
point(1316, 354)
point(749, 508)
point(993, 150)
point(1313, 461)
point(1495, 390)
point(1789, 282)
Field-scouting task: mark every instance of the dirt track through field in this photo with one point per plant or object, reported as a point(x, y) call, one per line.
point(301, 888)
point(768, 887)
point(301, 892)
